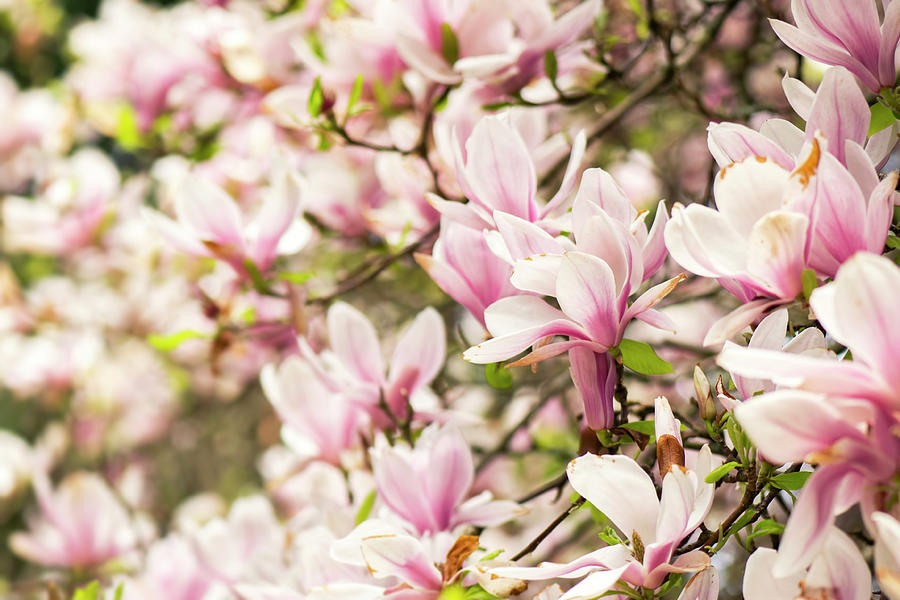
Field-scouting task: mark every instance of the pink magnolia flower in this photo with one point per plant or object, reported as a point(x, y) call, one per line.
point(211, 224)
point(848, 438)
point(837, 111)
point(763, 236)
point(69, 212)
point(619, 488)
point(838, 572)
point(498, 174)
point(846, 33)
point(81, 524)
point(357, 366)
point(856, 310)
point(613, 255)
point(770, 335)
point(462, 264)
point(427, 484)
point(311, 428)
point(404, 564)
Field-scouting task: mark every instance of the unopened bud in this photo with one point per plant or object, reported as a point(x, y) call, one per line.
point(703, 393)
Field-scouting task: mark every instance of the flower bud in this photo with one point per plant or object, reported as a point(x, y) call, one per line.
point(703, 393)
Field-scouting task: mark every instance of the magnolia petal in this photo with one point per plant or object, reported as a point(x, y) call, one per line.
point(422, 347)
point(595, 377)
point(730, 143)
point(620, 489)
point(594, 585)
point(585, 289)
point(355, 342)
point(790, 425)
point(736, 320)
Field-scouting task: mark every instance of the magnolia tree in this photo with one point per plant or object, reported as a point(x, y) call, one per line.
point(450, 300)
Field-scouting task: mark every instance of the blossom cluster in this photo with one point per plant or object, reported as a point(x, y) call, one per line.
point(358, 299)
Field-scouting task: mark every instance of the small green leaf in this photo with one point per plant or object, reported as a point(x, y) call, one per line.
point(365, 508)
point(167, 343)
point(550, 65)
point(498, 377)
point(299, 277)
point(892, 242)
point(491, 556)
point(641, 358)
point(741, 522)
point(790, 481)
point(128, 134)
point(120, 589)
point(810, 282)
point(449, 44)
point(259, 284)
point(645, 427)
point(766, 527)
point(316, 99)
point(355, 95)
point(89, 592)
point(882, 118)
point(717, 474)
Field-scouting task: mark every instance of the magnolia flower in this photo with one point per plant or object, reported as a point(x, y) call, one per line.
point(81, 524)
point(770, 335)
point(462, 264)
point(848, 438)
point(404, 564)
point(652, 526)
point(211, 224)
point(356, 366)
point(856, 309)
point(837, 111)
point(613, 255)
point(426, 485)
point(838, 572)
point(310, 427)
point(846, 33)
point(771, 224)
point(498, 174)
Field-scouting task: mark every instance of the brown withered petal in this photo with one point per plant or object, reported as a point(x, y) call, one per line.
point(669, 451)
point(457, 555)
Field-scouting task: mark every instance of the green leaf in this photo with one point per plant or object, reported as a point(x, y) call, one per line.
point(641, 358)
point(717, 474)
point(167, 343)
point(790, 481)
point(316, 99)
point(550, 65)
point(355, 95)
point(120, 589)
point(491, 556)
point(259, 284)
point(498, 377)
point(810, 282)
point(89, 592)
point(128, 134)
point(741, 522)
point(882, 118)
point(645, 427)
point(299, 277)
point(365, 508)
point(766, 527)
point(449, 44)
point(892, 242)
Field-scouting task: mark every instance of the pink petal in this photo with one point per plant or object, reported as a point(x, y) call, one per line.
point(499, 168)
point(403, 557)
point(858, 309)
point(840, 111)
point(355, 342)
point(422, 347)
point(594, 375)
point(730, 143)
point(790, 425)
point(585, 289)
point(776, 253)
